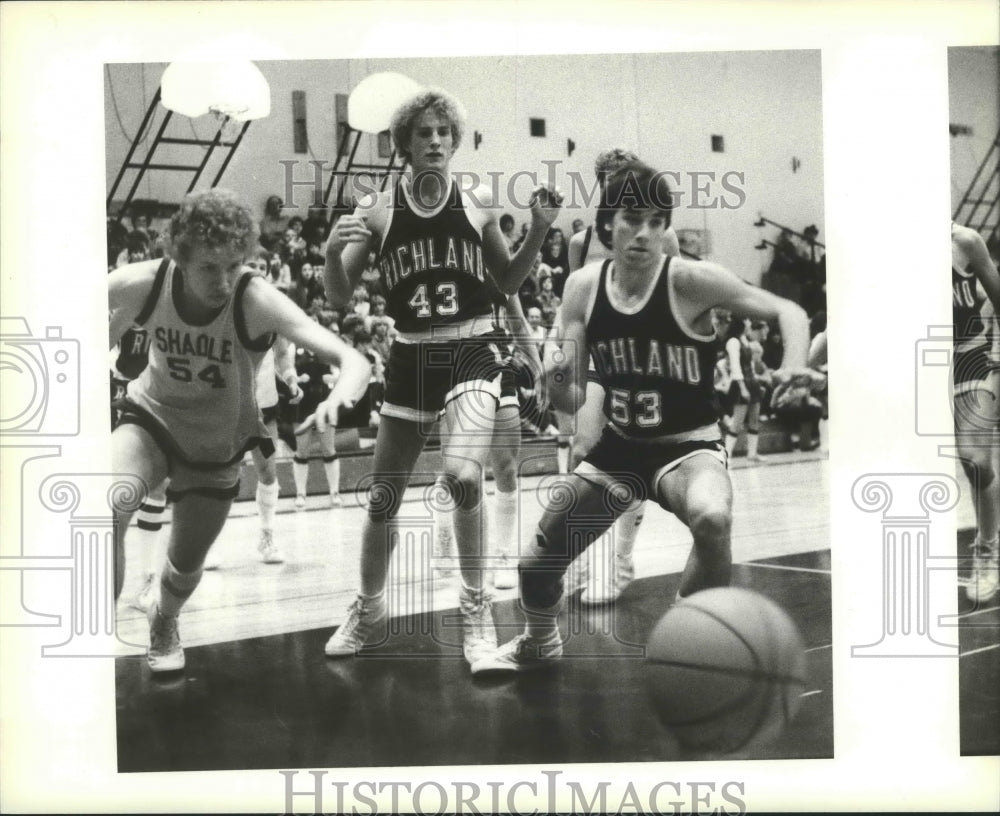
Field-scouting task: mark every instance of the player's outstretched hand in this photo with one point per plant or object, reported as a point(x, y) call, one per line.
point(308, 424)
point(545, 202)
point(349, 229)
point(328, 411)
point(789, 382)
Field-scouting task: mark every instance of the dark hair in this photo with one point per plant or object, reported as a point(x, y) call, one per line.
point(634, 186)
point(506, 222)
point(351, 322)
point(137, 239)
point(736, 327)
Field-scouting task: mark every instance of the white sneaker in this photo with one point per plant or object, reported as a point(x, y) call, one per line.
point(336, 500)
point(479, 634)
point(599, 592)
point(147, 595)
point(505, 573)
point(985, 579)
point(523, 653)
point(364, 619)
point(269, 551)
point(300, 502)
point(165, 653)
point(212, 560)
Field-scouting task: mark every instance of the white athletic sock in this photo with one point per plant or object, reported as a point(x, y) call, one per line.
point(300, 472)
point(333, 476)
point(267, 501)
point(731, 444)
point(752, 440)
point(505, 526)
point(562, 456)
point(148, 534)
point(628, 528)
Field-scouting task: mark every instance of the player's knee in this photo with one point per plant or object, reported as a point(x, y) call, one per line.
point(711, 525)
point(384, 499)
point(465, 485)
point(978, 466)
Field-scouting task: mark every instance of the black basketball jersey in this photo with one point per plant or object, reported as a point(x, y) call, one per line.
point(432, 265)
point(658, 377)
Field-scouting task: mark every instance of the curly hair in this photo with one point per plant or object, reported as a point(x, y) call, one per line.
point(608, 161)
point(433, 99)
point(215, 218)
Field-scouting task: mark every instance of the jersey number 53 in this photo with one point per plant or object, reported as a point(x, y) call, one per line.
point(643, 408)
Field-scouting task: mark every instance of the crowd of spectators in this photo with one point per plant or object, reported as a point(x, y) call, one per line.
point(291, 256)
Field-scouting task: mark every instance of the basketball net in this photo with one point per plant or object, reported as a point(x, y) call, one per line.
point(229, 121)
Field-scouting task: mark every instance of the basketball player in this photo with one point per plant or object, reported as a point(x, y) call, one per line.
point(192, 414)
point(603, 585)
point(278, 363)
point(976, 375)
point(745, 389)
point(436, 248)
point(646, 320)
point(517, 349)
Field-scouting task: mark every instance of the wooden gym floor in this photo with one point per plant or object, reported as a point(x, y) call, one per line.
point(259, 693)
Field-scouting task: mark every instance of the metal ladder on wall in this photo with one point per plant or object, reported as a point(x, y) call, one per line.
point(209, 146)
point(345, 166)
point(978, 208)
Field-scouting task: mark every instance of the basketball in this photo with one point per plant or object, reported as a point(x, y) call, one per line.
point(725, 669)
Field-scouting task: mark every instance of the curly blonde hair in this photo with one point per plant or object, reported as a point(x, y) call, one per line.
point(434, 99)
point(215, 218)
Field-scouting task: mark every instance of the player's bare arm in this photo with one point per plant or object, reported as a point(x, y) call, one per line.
point(509, 271)
point(567, 377)
point(574, 250)
point(269, 311)
point(284, 367)
point(973, 246)
point(128, 288)
point(702, 286)
point(347, 248)
point(522, 336)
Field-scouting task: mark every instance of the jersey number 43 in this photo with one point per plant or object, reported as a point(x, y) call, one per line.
point(446, 300)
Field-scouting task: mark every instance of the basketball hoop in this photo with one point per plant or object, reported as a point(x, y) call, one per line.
point(375, 99)
point(233, 91)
